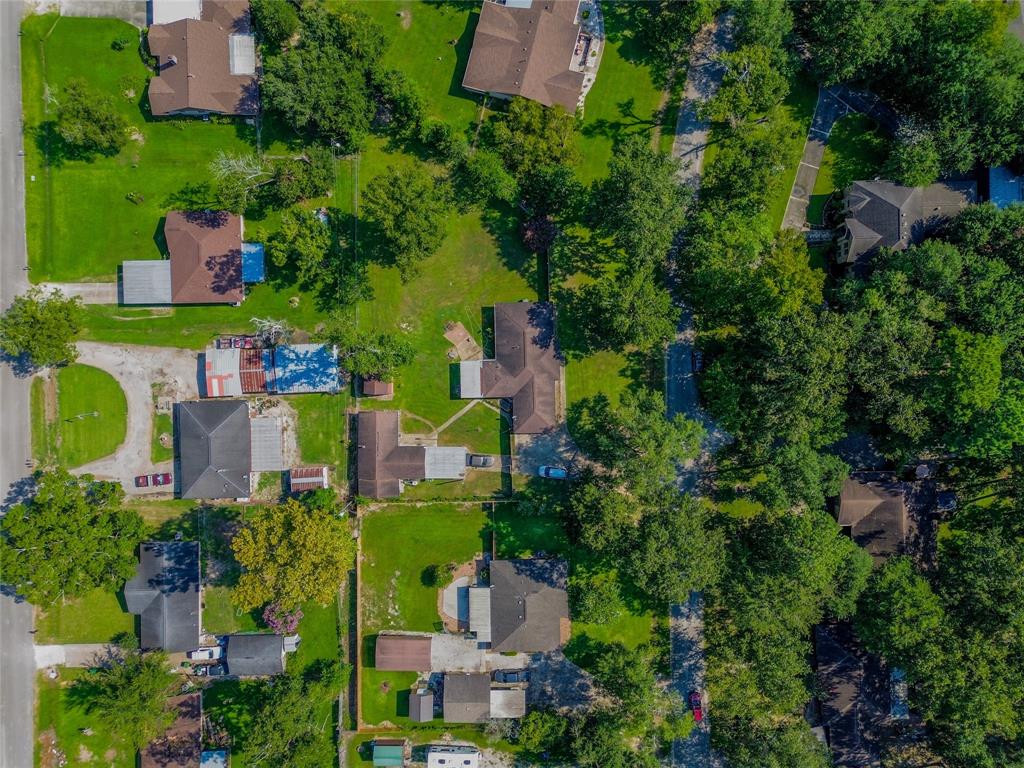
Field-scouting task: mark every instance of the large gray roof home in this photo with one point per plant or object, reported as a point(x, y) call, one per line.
point(526, 369)
point(164, 593)
point(529, 605)
point(528, 48)
point(873, 510)
point(254, 655)
point(880, 214)
point(467, 697)
point(214, 449)
point(384, 464)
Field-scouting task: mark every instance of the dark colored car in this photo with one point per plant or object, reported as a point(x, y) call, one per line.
point(697, 361)
point(696, 706)
point(480, 460)
point(511, 676)
point(142, 481)
point(164, 478)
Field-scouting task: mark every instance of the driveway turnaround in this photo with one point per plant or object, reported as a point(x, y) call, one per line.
point(136, 369)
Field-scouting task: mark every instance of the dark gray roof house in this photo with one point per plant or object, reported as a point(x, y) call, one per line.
point(254, 655)
point(873, 511)
point(529, 605)
point(881, 214)
point(165, 594)
point(213, 442)
point(467, 697)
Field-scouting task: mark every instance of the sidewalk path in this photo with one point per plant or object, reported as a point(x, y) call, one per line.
point(136, 369)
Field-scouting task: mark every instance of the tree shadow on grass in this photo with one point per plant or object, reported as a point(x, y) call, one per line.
point(629, 123)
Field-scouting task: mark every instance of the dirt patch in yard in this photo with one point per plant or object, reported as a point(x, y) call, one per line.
point(50, 756)
point(466, 347)
point(406, 18)
point(50, 398)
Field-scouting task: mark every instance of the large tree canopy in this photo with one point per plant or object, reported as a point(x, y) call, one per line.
point(42, 326)
point(88, 122)
point(70, 537)
point(292, 553)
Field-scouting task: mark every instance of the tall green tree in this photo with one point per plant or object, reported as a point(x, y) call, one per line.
point(367, 353)
point(276, 21)
point(529, 135)
point(408, 206)
point(630, 309)
point(292, 553)
point(751, 85)
point(129, 695)
point(71, 536)
point(42, 326)
point(89, 123)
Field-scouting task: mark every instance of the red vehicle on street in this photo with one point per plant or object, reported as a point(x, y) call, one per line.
point(163, 478)
point(142, 481)
point(696, 706)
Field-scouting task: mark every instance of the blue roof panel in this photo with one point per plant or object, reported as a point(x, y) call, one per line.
point(306, 368)
point(1004, 187)
point(253, 263)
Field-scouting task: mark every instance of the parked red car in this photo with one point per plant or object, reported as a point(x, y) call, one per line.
point(697, 706)
point(142, 481)
point(162, 479)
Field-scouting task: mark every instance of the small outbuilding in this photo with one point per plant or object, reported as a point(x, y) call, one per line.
point(302, 479)
point(254, 655)
point(389, 753)
point(421, 705)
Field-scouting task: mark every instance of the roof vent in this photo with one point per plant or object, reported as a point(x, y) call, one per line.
point(172, 59)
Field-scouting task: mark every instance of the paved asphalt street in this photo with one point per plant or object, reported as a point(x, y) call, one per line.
point(686, 621)
point(17, 663)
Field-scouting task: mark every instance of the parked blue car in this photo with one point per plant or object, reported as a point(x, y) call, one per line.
point(552, 473)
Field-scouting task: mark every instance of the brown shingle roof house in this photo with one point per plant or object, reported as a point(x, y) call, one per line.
point(882, 214)
point(524, 48)
point(207, 64)
point(383, 464)
point(206, 257)
point(873, 509)
point(396, 652)
point(529, 604)
point(181, 745)
point(527, 367)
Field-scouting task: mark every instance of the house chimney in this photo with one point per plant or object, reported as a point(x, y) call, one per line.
point(172, 59)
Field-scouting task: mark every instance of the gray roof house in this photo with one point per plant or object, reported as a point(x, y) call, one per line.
point(873, 511)
point(881, 214)
point(529, 605)
point(467, 697)
point(213, 444)
point(165, 594)
point(254, 655)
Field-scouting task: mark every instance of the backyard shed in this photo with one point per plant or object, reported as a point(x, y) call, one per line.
point(302, 479)
point(254, 655)
point(396, 652)
point(421, 705)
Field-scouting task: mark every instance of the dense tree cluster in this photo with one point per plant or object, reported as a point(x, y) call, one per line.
point(88, 123)
point(367, 353)
point(71, 536)
point(331, 85)
point(952, 66)
point(42, 326)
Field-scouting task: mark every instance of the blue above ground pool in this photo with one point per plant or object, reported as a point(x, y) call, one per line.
point(253, 267)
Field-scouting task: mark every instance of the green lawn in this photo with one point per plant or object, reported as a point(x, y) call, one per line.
point(44, 431)
point(476, 484)
point(321, 430)
point(856, 149)
point(162, 424)
point(623, 100)
point(61, 718)
point(81, 224)
point(92, 414)
point(479, 430)
point(799, 105)
point(96, 617)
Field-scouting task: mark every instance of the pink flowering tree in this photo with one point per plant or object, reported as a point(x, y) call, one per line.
point(281, 621)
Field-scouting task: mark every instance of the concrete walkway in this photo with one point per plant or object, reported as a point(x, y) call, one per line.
point(89, 293)
point(703, 78)
point(136, 369)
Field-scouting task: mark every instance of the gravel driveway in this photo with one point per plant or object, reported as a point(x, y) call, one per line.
point(137, 369)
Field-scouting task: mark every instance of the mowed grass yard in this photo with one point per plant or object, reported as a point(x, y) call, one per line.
point(80, 223)
point(856, 149)
point(89, 421)
point(322, 430)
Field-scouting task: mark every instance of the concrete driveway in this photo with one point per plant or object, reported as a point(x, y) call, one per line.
point(136, 369)
point(89, 293)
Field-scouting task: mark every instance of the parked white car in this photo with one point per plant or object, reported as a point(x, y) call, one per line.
point(206, 654)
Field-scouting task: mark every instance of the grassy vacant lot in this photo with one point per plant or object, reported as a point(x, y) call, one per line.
point(61, 719)
point(321, 430)
point(81, 391)
point(81, 224)
point(95, 617)
point(856, 149)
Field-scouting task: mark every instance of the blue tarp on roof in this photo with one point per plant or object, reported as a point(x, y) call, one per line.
point(304, 368)
point(253, 267)
point(1004, 187)
point(214, 758)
